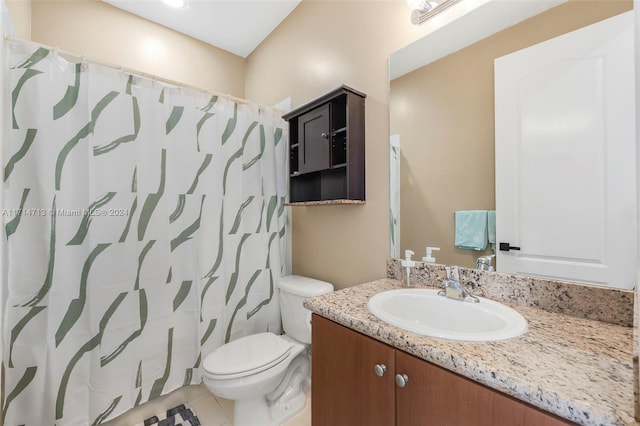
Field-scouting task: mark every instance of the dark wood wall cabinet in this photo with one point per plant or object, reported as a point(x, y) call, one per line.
point(357, 380)
point(326, 149)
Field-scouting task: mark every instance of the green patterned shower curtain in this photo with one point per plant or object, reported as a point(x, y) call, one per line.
point(144, 227)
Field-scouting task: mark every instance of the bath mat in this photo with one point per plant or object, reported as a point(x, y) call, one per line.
point(182, 415)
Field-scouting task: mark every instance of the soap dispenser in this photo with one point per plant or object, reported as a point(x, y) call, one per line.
point(407, 264)
point(428, 258)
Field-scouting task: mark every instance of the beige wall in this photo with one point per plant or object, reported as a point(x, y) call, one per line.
point(20, 11)
point(321, 45)
point(106, 34)
point(444, 113)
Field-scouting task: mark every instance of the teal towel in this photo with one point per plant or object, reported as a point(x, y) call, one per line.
point(471, 229)
point(491, 228)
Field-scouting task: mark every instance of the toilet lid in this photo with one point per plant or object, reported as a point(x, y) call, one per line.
point(249, 354)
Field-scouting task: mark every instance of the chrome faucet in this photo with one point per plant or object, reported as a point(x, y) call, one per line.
point(454, 289)
point(484, 263)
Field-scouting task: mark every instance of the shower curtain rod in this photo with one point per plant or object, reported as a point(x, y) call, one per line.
point(75, 56)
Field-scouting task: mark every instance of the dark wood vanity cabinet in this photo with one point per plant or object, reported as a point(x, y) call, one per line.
point(326, 148)
point(347, 390)
point(313, 140)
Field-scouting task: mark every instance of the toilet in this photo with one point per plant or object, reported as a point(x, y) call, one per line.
point(266, 374)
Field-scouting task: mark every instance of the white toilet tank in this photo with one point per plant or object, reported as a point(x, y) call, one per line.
point(295, 318)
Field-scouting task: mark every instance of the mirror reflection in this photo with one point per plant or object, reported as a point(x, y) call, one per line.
point(442, 116)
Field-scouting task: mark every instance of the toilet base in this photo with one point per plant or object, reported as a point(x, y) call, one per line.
point(287, 400)
point(284, 412)
point(257, 412)
point(251, 412)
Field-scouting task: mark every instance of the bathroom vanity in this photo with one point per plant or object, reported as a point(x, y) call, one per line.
point(375, 384)
point(564, 370)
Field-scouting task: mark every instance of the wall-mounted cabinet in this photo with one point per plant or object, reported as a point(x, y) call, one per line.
point(326, 163)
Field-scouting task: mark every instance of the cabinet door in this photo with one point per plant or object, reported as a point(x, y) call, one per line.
point(435, 396)
point(313, 136)
point(345, 389)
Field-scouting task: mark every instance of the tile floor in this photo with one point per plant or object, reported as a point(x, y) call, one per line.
point(211, 411)
point(215, 411)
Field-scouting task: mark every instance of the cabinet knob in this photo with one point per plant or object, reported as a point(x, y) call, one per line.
point(402, 380)
point(324, 135)
point(380, 369)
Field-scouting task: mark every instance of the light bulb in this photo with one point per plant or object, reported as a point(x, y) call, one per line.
point(175, 3)
point(421, 5)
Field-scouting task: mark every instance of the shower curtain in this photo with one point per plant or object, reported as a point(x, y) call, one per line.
point(144, 227)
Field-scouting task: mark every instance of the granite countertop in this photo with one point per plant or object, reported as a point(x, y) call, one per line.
point(576, 368)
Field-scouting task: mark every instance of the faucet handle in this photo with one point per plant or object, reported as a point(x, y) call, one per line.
point(453, 273)
point(484, 263)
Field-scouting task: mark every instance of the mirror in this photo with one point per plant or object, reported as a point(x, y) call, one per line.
point(442, 115)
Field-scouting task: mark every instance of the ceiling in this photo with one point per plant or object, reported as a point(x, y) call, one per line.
point(237, 26)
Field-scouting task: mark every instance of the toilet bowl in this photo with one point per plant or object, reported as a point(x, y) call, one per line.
point(266, 374)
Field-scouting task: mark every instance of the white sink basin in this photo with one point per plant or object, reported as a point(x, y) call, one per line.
point(423, 311)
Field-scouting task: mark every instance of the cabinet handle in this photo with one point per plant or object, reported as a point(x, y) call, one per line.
point(402, 380)
point(324, 135)
point(380, 369)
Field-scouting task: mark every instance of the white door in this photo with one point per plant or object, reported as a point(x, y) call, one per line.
point(565, 157)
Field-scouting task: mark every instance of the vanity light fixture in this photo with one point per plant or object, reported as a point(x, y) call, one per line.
point(424, 9)
point(421, 5)
point(175, 3)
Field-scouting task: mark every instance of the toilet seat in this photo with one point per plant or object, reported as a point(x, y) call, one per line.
point(246, 356)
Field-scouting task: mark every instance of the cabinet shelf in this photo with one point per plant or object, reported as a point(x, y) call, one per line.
point(295, 174)
point(327, 203)
point(325, 164)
